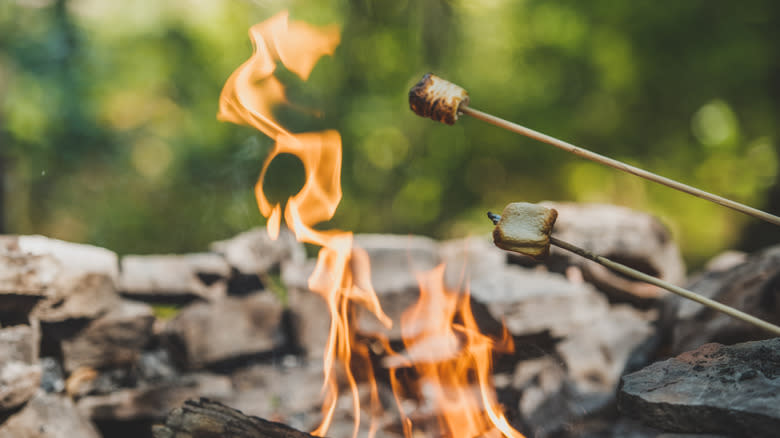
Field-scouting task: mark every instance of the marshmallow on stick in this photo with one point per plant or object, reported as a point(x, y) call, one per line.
point(437, 98)
point(443, 101)
point(526, 228)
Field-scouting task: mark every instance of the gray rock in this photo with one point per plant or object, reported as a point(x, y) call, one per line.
point(470, 258)
point(633, 238)
point(75, 258)
point(20, 343)
point(532, 301)
point(296, 275)
point(752, 286)
point(154, 401)
point(114, 339)
point(544, 403)
point(394, 261)
point(203, 275)
point(73, 280)
point(561, 390)
point(226, 329)
point(595, 341)
point(253, 252)
point(18, 383)
point(289, 394)
point(731, 390)
point(23, 271)
point(53, 376)
point(48, 416)
point(628, 428)
point(596, 354)
point(726, 260)
point(24, 280)
point(81, 296)
point(156, 366)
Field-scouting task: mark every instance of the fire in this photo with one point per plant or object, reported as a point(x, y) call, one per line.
point(443, 342)
point(453, 361)
point(341, 275)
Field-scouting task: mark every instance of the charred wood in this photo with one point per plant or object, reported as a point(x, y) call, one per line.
point(204, 418)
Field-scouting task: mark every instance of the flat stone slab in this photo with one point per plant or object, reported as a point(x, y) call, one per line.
point(203, 275)
point(531, 301)
point(75, 258)
point(24, 279)
point(254, 252)
point(730, 390)
point(114, 339)
point(74, 297)
point(73, 280)
point(209, 333)
point(631, 237)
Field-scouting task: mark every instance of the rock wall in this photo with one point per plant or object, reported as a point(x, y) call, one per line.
point(94, 344)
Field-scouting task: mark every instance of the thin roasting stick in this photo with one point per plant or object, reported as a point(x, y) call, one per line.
point(443, 101)
point(531, 225)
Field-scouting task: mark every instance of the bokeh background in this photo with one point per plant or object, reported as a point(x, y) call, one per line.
point(108, 132)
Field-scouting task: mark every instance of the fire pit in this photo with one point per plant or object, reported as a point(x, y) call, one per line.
point(378, 335)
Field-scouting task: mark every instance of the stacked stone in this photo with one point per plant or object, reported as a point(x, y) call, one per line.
point(94, 344)
point(84, 333)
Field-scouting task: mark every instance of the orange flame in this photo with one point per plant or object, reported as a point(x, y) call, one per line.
point(451, 357)
point(341, 275)
point(252, 91)
point(453, 361)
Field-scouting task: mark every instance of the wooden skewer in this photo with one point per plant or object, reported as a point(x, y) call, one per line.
point(584, 153)
point(444, 101)
point(623, 269)
point(641, 276)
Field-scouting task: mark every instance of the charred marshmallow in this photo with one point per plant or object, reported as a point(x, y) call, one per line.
point(437, 98)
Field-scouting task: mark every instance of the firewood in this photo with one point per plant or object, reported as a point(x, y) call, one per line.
point(204, 418)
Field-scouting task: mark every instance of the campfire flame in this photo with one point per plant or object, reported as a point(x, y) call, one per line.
point(443, 342)
point(452, 359)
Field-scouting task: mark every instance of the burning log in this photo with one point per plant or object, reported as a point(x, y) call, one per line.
point(443, 101)
point(520, 230)
point(207, 418)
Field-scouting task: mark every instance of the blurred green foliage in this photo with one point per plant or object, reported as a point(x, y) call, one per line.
point(108, 131)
